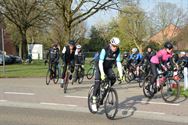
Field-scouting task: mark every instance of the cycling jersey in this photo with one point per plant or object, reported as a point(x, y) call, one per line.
point(108, 57)
point(67, 56)
point(135, 58)
point(161, 56)
point(79, 57)
point(53, 54)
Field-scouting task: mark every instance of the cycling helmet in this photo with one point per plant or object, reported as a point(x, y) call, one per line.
point(115, 41)
point(134, 50)
point(168, 45)
point(72, 42)
point(78, 46)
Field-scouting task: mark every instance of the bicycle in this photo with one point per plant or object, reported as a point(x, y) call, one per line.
point(79, 74)
point(91, 71)
point(52, 75)
point(66, 79)
point(109, 94)
point(169, 87)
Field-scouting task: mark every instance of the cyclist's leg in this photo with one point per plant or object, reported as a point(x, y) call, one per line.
point(154, 73)
point(54, 67)
point(64, 71)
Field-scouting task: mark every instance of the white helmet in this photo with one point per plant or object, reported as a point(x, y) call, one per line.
point(134, 50)
point(115, 41)
point(78, 46)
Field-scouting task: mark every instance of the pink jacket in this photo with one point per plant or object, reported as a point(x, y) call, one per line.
point(161, 53)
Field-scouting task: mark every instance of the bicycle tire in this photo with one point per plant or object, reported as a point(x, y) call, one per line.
point(89, 99)
point(81, 77)
point(48, 77)
point(113, 100)
point(65, 85)
point(147, 92)
point(56, 79)
point(173, 88)
point(90, 73)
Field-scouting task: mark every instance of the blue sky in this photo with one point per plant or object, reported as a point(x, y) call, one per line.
point(104, 17)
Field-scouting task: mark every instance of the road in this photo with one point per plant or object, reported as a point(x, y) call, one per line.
point(29, 101)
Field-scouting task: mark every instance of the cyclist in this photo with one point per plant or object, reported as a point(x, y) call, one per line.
point(79, 60)
point(125, 59)
point(146, 59)
point(135, 59)
point(53, 57)
point(68, 54)
point(108, 56)
point(159, 61)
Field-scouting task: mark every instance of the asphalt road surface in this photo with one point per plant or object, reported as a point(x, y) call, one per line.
point(29, 101)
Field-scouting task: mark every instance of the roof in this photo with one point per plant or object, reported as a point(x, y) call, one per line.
point(168, 32)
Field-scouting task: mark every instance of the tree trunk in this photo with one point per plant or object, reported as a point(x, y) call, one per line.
point(24, 46)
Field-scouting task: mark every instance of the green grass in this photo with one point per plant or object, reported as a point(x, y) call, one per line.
point(183, 92)
point(36, 69)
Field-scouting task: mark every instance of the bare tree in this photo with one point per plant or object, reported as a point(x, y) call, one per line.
point(165, 14)
point(74, 12)
point(25, 14)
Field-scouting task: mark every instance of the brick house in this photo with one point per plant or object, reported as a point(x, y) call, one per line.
point(168, 33)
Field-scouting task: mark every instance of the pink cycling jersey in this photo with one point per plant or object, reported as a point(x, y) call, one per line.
point(161, 54)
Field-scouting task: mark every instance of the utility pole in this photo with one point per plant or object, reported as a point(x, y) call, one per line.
point(3, 49)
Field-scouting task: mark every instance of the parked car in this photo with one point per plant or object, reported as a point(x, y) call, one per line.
point(10, 59)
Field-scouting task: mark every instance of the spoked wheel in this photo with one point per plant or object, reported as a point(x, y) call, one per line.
point(81, 77)
point(66, 81)
point(90, 101)
point(56, 78)
point(90, 73)
point(170, 90)
point(148, 88)
point(48, 77)
point(111, 104)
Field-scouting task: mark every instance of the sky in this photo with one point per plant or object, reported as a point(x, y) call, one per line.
point(104, 17)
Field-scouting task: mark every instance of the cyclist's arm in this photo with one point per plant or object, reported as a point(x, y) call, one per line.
point(119, 66)
point(101, 60)
point(63, 54)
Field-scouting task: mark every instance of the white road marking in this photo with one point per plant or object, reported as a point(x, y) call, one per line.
point(56, 104)
point(3, 100)
point(157, 113)
point(157, 103)
point(19, 93)
point(68, 96)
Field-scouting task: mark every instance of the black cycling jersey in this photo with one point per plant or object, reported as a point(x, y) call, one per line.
point(79, 58)
point(53, 55)
point(67, 56)
point(110, 57)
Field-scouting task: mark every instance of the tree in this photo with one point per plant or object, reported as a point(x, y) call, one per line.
point(25, 14)
point(165, 14)
point(74, 12)
point(132, 26)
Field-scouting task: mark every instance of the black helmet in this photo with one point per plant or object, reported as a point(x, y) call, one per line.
point(72, 42)
point(168, 45)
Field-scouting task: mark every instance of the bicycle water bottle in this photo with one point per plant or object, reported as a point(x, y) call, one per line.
point(158, 82)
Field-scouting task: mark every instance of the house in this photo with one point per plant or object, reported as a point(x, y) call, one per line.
point(168, 33)
point(9, 47)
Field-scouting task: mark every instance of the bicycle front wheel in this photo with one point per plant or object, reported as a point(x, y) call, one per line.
point(89, 99)
point(170, 90)
point(65, 85)
point(111, 104)
point(56, 77)
point(48, 77)
point(90, 73)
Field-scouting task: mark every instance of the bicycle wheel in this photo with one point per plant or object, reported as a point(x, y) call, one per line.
point(147, 87)
point(81, 77)
point(170, 90)
point(111, 104)
point(56, 78)
point(90, 73)
point(48, 77)
point(65, 85)
point(89, 99)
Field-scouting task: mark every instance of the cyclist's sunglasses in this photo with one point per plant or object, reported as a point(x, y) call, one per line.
point(114, 46)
